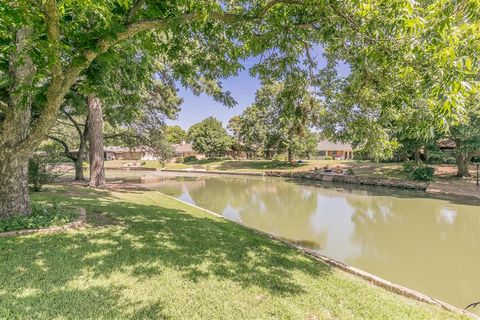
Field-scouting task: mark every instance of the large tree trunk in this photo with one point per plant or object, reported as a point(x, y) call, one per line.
point(462, 165)
point(417, 156)
point(289, 155)
point(95, 135)
point(79, 169)
point(81, 152)
point(14, 197)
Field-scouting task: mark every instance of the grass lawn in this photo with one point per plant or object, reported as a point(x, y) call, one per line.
point(148, 256)
point(255, 165)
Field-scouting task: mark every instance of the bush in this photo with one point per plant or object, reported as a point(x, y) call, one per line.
point(190, 159)
point(179, 160)
point(350, 172)
point(441, 157)
point(408, 166)
point(37, 174)
point(41, 171)
point(42, 216)
point(423, 173)
point(328, 158)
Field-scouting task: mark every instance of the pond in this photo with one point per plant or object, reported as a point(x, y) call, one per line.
point(429, 244)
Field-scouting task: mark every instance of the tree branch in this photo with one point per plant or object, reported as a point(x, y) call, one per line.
point(75, 123)
point(133, 11)
point(66, 150)
point(62, 81)
point(52, 21)
point(4, 107)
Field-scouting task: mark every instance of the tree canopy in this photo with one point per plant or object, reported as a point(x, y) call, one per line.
point(209, 137)
point(403, 55)
point(175, 134)
point(280, 120)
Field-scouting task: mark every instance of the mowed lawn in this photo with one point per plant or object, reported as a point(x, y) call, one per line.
point(145, 255)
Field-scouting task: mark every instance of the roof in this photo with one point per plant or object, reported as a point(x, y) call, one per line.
point(183, 147)
point(115, 149)
point(332, 146)
point(447, 143)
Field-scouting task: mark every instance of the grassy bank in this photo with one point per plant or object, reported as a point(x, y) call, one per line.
point(148, 256)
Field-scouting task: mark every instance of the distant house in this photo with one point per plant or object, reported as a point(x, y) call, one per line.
point(125, 153)
point(185, 149)
point(121, 153)
point(337, 151)
point(447, 145)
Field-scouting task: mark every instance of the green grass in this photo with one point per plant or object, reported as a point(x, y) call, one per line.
point(254, 165)
point(149, 256)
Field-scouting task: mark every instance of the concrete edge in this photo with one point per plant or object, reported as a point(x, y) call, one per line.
point(237, 173)
point(439, 192)
point(371, 278)
point(82, 219)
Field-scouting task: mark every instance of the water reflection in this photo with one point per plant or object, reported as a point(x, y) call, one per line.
point(429, 244)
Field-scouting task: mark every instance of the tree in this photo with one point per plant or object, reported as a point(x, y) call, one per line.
point(209, 137)
point(67, 38)
point(280, 119)
point(467, 139)
point(175, 134)
point(233, 126)
point(73, 115)
point(432, 44)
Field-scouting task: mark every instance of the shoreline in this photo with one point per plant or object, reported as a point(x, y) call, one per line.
point(371, 278)
point(433, 188)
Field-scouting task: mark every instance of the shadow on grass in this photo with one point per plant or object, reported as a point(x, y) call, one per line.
point(41, 276)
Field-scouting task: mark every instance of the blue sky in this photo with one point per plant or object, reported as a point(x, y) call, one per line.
point(242, 87)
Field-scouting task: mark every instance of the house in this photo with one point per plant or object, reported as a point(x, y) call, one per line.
point(185, 149)
point(338, 151)
point(125, 153)
point(447, 145)
point(121, 153)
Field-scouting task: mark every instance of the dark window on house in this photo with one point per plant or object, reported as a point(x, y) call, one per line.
point(322, 153)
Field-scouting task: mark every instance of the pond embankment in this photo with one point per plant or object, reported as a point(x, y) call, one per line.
point(370, 181)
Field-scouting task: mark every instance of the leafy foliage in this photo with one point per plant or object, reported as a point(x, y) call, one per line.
point(42, 169)
point(423, 173)
point(209, 137)
point(42, 216)
point(279, 120)
point(175, 134)
point(189, 159)
point(408, 166)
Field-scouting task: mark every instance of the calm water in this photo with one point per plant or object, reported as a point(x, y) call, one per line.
point(428, 244)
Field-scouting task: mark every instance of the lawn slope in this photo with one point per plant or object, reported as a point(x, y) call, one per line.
point(148, 256)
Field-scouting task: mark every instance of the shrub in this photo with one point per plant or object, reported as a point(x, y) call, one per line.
point(190, 159)
point(408, 166)
point(41, 171)
point(423, 173)
point(328, 158)
point(37, 174)
point(441, 157)
point(179, 160)
point(42, 216)
point(350, 172)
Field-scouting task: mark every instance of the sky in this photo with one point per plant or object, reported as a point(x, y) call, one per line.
point(242, 87)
